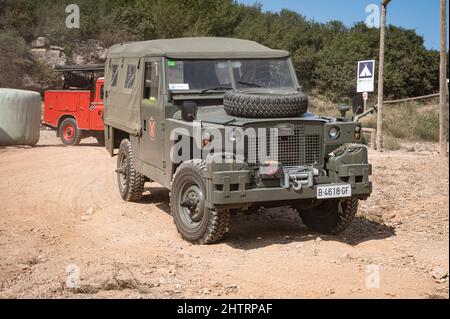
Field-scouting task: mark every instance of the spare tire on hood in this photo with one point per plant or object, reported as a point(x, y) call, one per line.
point(265, 103)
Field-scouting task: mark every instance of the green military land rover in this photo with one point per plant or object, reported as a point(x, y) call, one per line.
point(223, 124)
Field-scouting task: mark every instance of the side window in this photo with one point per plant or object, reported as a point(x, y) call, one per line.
point(151, 83)
point(114, 74)
point(131, 76)
point(102, 92)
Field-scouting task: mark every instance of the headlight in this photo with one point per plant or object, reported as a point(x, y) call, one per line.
point(234, 136)
point(334, 132)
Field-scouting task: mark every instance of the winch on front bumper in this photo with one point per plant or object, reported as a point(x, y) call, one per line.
point(230, 182)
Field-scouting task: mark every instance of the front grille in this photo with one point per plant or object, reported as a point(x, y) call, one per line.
point(296, 149)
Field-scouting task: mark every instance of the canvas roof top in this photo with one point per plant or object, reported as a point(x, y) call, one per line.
point(195, 48)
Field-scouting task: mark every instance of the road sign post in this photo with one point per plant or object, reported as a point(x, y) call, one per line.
point(365, 98)
point(366, 76)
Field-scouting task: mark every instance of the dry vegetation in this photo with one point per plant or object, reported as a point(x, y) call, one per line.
point(404, 122)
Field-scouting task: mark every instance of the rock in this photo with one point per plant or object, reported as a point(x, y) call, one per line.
point(85, 218)
point(89, 211)
point(23, 266)
point(89, 52)
point(50, 57)
point(40, 42)
point(439, 273)
point(231, 288)
point(39, 54)
point(346, 256)
point(55, 47)
point(318, 239)
point(330, 291)
point(205, 291)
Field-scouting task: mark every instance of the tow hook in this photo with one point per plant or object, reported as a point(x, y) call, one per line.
point(296, 185)
point(298, 177)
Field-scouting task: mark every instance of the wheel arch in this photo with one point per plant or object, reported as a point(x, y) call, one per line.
point(113, 138)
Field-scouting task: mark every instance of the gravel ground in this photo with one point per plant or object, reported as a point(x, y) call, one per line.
point(61, 218)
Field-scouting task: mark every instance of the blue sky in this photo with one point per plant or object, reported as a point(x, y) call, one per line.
point(421, 15)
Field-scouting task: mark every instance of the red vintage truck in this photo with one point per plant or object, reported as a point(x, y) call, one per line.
point(76, 113)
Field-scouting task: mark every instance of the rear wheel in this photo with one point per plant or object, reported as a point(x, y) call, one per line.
point(329, 217)
point(100, 139)
point(130, 182)
point(69, 132)
point(195, 221)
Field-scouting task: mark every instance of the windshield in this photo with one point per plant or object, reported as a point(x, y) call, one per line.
point(199, 75)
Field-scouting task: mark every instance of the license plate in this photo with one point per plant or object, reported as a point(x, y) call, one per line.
point(334, 191)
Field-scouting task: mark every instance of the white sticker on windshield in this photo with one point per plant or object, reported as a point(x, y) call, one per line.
point(178, 86)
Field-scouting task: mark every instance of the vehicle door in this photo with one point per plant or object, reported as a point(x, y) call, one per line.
point(152, 114)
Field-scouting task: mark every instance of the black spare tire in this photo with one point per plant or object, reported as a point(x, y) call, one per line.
point(265, 103)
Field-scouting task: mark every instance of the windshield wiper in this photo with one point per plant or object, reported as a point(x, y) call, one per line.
point(250, 84)
point(219, 88)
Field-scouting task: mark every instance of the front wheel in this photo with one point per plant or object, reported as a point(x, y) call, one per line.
point(69, 132)
point(330, 216)
point(196, 222)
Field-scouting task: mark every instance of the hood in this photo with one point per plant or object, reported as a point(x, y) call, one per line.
point(217, 115)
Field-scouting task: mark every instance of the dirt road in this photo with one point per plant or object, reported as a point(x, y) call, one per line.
point(61, 215)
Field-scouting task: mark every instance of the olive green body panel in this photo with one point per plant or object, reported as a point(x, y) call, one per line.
point(230, 184)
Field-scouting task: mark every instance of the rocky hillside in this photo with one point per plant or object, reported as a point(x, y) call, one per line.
point(32, 68)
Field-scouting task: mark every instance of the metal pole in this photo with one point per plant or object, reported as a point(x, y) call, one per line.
point(384, 5)
point(443, 114)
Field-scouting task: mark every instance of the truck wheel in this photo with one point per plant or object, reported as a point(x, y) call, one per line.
point(131, 182)
point(69, 132)
point(194, 220)
point(264, 103)
point(331, 216)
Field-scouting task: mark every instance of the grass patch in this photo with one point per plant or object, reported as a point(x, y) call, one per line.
point(413, 122)
point(409, 121)
point(392, 143)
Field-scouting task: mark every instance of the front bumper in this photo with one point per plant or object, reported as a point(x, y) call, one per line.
point(232, 184)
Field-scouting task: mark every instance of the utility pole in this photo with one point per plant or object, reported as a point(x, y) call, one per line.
point(443, 114)
point(384, 5)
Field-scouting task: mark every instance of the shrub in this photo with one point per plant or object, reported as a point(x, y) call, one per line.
point(391, 143)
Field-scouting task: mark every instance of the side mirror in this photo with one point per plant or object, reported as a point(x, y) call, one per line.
point(188, 110)
point(343, 109)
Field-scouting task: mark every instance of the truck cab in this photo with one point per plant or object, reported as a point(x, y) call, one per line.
point(224, 125)
point(76, 113)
